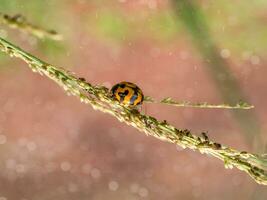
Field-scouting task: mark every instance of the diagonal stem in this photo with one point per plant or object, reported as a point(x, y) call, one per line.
point(100, 99)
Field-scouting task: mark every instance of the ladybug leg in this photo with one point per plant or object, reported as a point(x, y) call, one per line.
point(141, 109)
point(145, 108)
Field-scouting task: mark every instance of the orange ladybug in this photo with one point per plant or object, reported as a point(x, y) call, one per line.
point(127, 93)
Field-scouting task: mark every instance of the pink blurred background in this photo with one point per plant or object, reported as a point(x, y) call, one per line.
point(54, 147)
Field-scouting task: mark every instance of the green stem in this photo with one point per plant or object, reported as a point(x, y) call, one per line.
point(187, 104)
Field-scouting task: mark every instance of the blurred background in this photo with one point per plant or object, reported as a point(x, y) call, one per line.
point(54, 147)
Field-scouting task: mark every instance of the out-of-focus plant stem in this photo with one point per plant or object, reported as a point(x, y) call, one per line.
point(20, 22)
point(100, 99)
point(196, 24)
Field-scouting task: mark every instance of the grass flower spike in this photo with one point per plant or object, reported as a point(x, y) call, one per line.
point(99, 98)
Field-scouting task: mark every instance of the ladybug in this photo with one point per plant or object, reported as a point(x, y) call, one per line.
point(127, 94)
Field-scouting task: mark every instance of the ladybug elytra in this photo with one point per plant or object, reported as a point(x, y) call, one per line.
point(127, 93)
